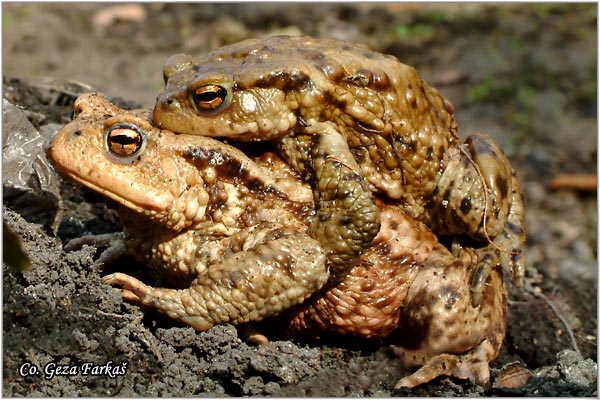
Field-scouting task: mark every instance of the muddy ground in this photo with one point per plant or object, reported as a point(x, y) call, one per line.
point(524, 73)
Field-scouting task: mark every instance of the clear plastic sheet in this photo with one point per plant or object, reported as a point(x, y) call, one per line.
point(28, 179)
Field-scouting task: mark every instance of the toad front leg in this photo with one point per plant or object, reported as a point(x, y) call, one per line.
point(246, 286)
point(114, 243)
point(347, 218)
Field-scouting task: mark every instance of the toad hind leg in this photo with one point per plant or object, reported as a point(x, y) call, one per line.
point(513, 236)
point(481, 197)
point(245, 286)
point(441, 331)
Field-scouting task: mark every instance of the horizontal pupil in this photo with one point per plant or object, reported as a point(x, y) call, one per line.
point(208, 96)
point(125, 139)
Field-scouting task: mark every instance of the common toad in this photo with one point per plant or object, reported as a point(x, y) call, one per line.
point(231, 234)
point(198, 212)
point(352, 122)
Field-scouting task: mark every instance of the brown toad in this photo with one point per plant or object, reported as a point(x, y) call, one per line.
point(195, 211)
point(231, 234)
point(352, 122)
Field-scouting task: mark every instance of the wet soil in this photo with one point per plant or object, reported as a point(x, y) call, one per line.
point(524, 73)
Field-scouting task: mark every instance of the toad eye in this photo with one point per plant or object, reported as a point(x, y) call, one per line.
point(125, 141)
point(209, 97)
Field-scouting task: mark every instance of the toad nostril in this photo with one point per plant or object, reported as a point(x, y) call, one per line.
point(75, 112)
point(169, 102)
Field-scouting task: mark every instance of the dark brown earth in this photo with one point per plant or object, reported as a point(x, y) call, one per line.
point(524, 73)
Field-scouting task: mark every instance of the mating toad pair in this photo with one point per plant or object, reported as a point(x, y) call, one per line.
point(362, 215)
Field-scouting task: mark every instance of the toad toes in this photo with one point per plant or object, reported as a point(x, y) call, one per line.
point(352, 122)
point(231, 234)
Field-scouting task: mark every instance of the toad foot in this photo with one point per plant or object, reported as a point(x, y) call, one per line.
point(472, 365)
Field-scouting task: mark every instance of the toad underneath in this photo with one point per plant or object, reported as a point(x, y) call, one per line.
point(231, 235)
